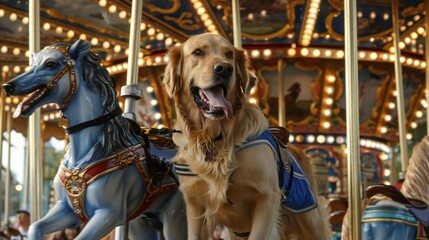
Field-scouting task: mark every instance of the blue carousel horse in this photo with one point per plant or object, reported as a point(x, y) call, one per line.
point(111, 173)
point(389, 213)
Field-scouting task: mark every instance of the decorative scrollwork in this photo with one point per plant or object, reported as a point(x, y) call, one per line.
point(176, 5)
point(184, 23)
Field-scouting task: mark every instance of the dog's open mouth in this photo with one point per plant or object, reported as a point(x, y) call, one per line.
point(213, 101)
point(30, 101)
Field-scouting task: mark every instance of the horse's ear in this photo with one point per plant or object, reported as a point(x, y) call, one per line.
point(79, 49)
point(172, 74)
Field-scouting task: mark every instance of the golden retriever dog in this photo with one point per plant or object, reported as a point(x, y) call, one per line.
point(228, 174)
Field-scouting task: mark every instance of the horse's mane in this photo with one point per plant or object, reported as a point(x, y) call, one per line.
point(417, 176)
point(117, 133)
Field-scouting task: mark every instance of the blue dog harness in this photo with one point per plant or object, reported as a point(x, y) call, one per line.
point(292, 181)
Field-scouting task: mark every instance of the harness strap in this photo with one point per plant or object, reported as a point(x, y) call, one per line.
point(94, 122)
point(75, 181)
point(68, 66)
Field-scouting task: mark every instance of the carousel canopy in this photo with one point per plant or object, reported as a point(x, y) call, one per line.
point(307, 35)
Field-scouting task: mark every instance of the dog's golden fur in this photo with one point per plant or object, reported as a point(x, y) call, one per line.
point(239, 190)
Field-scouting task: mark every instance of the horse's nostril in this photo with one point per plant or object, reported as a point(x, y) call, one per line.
point(9, 88)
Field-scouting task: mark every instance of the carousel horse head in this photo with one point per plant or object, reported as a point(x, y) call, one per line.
point(57, 72)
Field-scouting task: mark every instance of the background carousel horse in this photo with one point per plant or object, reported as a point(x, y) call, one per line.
point(110, 173)
point(387, 219)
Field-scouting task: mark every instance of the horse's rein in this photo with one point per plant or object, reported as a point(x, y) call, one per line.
point(68, 67)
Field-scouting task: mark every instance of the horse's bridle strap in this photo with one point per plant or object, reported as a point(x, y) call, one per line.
point(94, 122)
point(68, 67)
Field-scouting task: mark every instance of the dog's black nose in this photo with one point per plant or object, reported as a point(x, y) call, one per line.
point(223, 70)
point(9, 88)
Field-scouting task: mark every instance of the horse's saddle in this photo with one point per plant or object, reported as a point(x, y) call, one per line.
point(418, 208)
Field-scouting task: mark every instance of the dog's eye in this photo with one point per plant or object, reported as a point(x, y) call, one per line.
point(50, 64)
point(197, 52)
point(229, 54)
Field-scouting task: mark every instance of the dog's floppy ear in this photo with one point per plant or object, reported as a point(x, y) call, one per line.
point(172, 74)
point(241, 69)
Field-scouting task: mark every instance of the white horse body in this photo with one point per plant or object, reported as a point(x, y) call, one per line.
point(109, 200)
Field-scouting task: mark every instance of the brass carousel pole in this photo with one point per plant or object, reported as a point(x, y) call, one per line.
point(131, 92)
point(282, 106)
point(352, 116)
point(3, 98)
point(236, 23)
point(399, 88)
point(427, 63)
point(7, 194)
point(34, 121)
point(25, 200)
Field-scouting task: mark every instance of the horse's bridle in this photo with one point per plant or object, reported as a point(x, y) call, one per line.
point(68, 67)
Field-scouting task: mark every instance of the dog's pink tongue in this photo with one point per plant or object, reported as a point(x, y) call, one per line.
point(217, 100)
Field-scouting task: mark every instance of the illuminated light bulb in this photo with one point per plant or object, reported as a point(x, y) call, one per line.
point(419, 114)
point(316, 52)
point(329, 101)
point(391, 105)
point(327, 112)
point(94, 41)
point(255, 53)
point(160, 36)
point(326, 125)
point(117, 48)
point(328, 53)
point(46, 26)
point(304, 51)
point(373, 55)
point(383, 129)
point(16, 69)
point(267, 52)
point(106, 44)
point(59, 30)
point(413, 125)
point(409, 136)
point(13, 17)
point(122, 14)
point(153, 102)
point(151, 31)
point(102, 3)
point(291, 51)
point(25, 20)
point(3, 49)
point(1, 13)
point(83, 36)
point(142, 26)
point(70, 33)
point(321, 139)
point(201, 10)
point(329, 90)
point(149, 89)
point(387, 117)
point(16, 51)
point(331, 78)
point(340, 54)
point(310, 138)
point(112, 8)
point(253, 101)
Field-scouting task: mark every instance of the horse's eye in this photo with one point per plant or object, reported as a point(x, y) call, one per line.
point(50, 64)
point(229, 54)
point(197, 52)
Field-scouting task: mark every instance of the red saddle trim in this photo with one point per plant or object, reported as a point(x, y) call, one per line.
point(75, 181)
